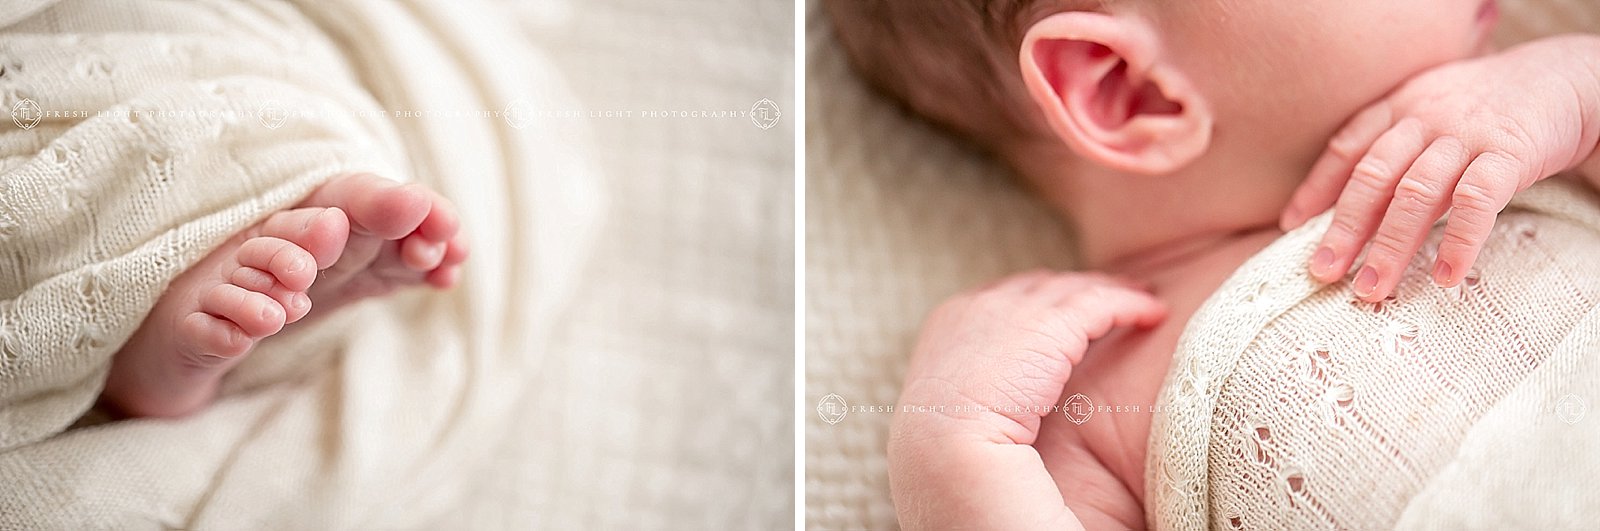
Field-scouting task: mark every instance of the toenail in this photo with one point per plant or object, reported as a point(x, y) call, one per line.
point(299, 301)
point(267, 313)
point(296, 265)
point(327, 213)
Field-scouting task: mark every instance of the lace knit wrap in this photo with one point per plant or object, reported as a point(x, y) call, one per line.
point(147, 150)
point(1291, 404)
point(142, 134)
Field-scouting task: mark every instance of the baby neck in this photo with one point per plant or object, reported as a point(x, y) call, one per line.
point(1147, 227)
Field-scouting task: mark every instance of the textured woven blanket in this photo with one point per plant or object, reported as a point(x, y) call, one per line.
point(144, 133)
point(1293, 404)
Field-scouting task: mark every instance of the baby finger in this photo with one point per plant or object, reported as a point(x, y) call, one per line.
point(1361, 205)
point(1485, 189)
point(1419, 200)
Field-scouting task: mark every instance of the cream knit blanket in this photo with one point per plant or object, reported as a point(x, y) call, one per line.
point(144, 133)
point(1293, 404)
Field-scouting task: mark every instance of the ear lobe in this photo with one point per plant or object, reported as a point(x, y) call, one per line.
point(1096, 80)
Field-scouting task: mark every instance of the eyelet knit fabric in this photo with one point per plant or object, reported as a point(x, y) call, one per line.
point(1294, 404)
point(142, 134)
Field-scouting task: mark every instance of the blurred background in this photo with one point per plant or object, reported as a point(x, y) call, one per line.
point(667, 403)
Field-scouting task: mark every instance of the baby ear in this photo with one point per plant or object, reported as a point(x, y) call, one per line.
point(1098, 81)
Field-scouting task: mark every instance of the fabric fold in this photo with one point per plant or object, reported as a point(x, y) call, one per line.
point(1294, 404)
point(128, 158)
point(165, 127)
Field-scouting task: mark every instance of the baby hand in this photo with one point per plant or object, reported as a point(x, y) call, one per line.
point(990, 364)
point(1465, 137)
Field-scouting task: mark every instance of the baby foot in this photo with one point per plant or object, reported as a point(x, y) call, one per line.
point(215, 312)
point(368, 236)
point(400, 235)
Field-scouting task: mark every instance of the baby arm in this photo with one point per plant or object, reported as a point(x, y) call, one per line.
point(996, 360)
point(1463, 137)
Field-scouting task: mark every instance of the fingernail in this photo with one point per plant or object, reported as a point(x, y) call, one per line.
point(1441, 274)
point(1322, 262)
point(1366, 281)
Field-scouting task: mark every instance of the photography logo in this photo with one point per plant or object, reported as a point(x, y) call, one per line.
point(765, 114)
point(1570, 409)
point(1078, 408)
point(832, 408)
point(26, 114)
point(517, 114)
point(272, 115)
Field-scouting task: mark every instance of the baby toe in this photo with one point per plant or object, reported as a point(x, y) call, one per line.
point(397, 211)
point(208, 341)
point(295, 303)
point(442, 223)
point(376, 206)
point(320, 231)
point(294, 266)
point(444, 277)
point(455, 253)
point(253, 279)
point(254, 313)
point(422, 254)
